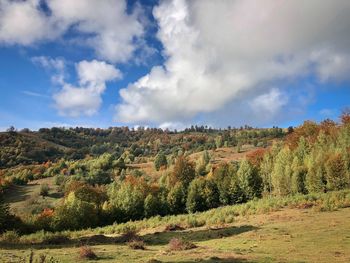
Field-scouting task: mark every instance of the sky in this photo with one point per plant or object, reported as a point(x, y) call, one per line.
point(172, 63)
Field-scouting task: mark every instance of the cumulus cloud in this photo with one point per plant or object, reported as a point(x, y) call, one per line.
point(85, 99)
point(224, 52)
point(105, 26)
point(22, 22)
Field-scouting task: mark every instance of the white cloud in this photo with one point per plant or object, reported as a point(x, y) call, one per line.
point(49, 63)
point(105, 25)
point(332, 65)
point(22, 22)
point(267, 105)
point(95, 73)
point(218, 52)
point(172, 126)
point(85, 99)
point(34, 94)
point(55, 65)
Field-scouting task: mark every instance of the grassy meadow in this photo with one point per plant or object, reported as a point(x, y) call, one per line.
point(311, 228)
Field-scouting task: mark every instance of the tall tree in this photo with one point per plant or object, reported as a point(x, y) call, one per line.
point(184, 171)
point(160, 161)
point(282, 172)
point(249, 180)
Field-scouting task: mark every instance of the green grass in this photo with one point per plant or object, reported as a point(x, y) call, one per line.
point(310, 228)
point(228, 214)
point(288, 235)
point(25, 200)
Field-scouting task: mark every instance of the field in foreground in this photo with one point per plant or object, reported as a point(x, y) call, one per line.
point(287, 235)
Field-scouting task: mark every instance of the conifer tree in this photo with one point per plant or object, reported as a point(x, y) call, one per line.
point(160, 161)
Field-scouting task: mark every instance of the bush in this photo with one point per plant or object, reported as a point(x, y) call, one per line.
point(86, 252)
point(44, 189)
point(9, 237)
point(129, 235)
point(177, 244)
point(137, 244)
point(59, 179)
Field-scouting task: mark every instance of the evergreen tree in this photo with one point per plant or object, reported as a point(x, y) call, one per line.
point(160, 161)
point(202, 195)
point(237, 195)
point(222, 178)
point(151, 205)
point(177, 199)
point(195, 199)
point(202, 164)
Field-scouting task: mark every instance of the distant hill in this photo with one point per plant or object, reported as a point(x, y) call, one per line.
point(27, 147)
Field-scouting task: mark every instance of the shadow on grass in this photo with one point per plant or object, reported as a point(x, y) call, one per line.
point(158, 238)
point(55, 195)
point(163, 238)
point(18, 193)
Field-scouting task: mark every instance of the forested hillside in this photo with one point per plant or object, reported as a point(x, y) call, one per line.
point(27, 147)
point(98, 177)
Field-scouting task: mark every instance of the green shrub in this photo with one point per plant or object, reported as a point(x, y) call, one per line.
point(9, 237)
point(137, 244)
point(44, 189)
point(160, 161)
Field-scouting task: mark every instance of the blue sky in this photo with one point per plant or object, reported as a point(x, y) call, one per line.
point(171, 64)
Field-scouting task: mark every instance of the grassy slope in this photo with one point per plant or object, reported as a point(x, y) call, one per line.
point(284, 235)
point(23, 199)
point(288, 235)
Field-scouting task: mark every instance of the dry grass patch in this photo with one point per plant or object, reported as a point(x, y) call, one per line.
point(86, 252)
point(178, 244)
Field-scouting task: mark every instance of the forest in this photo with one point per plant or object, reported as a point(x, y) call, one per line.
point(112, 176)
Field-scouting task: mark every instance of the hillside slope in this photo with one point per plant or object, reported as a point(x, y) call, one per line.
point(287, 235)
